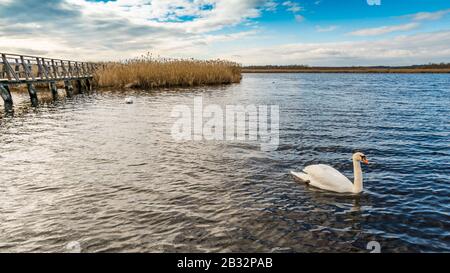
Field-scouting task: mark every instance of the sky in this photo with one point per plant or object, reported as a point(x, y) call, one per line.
point(251, 32)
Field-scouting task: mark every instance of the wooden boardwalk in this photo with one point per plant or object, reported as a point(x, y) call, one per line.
point(30, 70)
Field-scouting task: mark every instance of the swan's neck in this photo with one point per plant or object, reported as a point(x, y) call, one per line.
point(358, 183)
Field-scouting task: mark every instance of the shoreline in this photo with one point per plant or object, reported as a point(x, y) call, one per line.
point(350, 71)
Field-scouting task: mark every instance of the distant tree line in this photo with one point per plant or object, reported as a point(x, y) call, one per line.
point(432, 65)
point(304, 67)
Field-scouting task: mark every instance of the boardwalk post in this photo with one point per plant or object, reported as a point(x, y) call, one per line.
point(55, 69)
point(33, 95)
point(45, 69)
point(17, 67)
point(7, 98)
point(69, 89)
point(88, 85)
point(79, 87)
point(30, 78)
point(70, 71)
point(54, 90)
point(10, 73)
point(77, 69)
point(40, 72)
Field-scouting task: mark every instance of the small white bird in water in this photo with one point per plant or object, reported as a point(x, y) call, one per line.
point(328, 178)
point(129, 101)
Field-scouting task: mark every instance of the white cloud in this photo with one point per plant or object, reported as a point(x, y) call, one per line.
point(299, 18)
point(401, 50)
point(326, 29)
point(295, 8)
point(429, 16)
point(203, 15)
point(421, 16)
point(292, 6)
point(271, 6)
point(124, 28)
point(384, 29)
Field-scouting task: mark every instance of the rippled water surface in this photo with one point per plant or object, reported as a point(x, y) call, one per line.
point(109, 175)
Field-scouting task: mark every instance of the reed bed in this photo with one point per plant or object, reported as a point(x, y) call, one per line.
point(147, 73)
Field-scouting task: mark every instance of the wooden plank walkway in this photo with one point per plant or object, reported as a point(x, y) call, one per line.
point(18, 69)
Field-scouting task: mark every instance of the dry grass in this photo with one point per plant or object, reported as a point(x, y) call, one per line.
point(147, 72)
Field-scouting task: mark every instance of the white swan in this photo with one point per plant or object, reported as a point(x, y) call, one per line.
point(330, 179)
point(129, 100)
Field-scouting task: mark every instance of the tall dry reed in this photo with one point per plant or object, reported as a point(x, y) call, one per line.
point(147, 72)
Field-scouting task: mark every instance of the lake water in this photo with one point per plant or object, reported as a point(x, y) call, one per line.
point(110, 177)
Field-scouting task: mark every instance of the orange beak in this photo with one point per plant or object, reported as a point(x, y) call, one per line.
point(366, 162)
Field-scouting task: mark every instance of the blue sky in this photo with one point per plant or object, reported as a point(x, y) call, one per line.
point(313, 32)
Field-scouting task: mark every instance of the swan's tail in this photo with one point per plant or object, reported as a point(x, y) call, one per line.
point(301, 176)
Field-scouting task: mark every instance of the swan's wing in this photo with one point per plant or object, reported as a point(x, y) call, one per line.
point(327, 177)
point(301, 176)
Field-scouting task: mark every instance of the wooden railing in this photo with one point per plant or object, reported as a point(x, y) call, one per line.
point(18, 69)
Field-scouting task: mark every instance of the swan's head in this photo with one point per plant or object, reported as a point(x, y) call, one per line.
point(361, 158)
